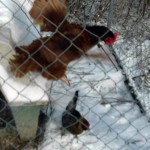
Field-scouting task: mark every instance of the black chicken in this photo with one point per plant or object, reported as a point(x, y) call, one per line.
point(72, 120)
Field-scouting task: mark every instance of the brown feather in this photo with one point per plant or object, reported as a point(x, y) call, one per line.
point(51, 55)
point(48, 13)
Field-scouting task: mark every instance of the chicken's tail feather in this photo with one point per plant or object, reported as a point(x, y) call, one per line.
point(72, 105)
point(48, 13)
point(21, 64)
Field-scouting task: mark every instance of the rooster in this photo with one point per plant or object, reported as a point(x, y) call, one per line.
point(51, 55)
point(72, 120)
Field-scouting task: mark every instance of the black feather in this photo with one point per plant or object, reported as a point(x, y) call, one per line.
point(72, 105)
point(101, 31)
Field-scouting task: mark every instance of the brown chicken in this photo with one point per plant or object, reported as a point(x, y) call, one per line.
point(72, 120)
point(48, 12)
point(51, 55)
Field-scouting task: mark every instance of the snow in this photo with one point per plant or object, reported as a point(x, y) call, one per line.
point(134, 56)
point(115, 119)
point(18, 21)
point(16, 29)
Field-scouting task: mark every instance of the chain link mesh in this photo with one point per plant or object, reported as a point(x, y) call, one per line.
point(113, 87)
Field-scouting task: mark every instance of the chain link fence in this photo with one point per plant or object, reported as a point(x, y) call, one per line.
point(114, 87)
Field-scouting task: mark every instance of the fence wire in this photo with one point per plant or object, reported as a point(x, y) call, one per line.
point(113, 81)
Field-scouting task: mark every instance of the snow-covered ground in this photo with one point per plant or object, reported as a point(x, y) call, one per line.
point(115, 119)
point(116, 122)
point(131, 20)
point(16, 29)
point(135, 59)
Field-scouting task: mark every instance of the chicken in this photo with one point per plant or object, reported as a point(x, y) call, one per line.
point(51, 55)
point(72, 120)
point(47, 12)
